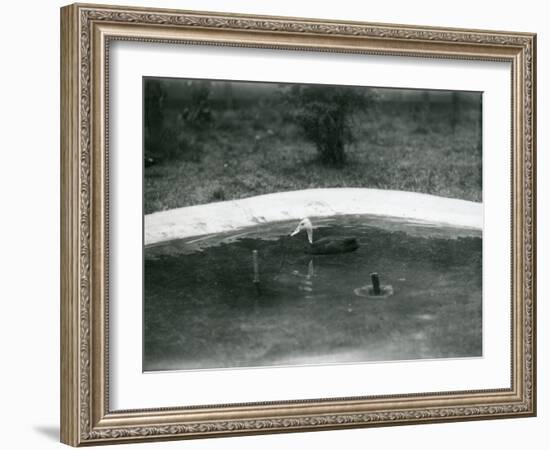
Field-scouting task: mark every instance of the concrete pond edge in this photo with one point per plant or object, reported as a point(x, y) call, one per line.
point(230, 215)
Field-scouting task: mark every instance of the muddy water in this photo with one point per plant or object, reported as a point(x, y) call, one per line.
point(202, 309)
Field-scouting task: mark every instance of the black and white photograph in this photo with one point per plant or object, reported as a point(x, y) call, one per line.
point(266, 225)
point(309, 224)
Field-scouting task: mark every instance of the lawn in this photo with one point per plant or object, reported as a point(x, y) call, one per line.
point(255, 149)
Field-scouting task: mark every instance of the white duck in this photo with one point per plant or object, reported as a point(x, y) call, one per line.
point(327, 245)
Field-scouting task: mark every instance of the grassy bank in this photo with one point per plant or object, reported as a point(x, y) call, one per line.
point(253, 150)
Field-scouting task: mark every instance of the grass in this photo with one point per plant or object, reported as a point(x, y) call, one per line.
point(252, 151)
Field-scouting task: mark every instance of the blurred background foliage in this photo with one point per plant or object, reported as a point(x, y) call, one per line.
point(207, 141)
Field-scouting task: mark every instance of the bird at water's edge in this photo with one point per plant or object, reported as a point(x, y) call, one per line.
point(326, 245)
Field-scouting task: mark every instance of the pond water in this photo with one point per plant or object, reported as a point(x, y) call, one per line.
point(202, 309)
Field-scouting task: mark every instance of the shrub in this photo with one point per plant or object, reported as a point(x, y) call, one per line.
point(175, 131)
point(196, 113)
point(153, 100)
point(325, 114)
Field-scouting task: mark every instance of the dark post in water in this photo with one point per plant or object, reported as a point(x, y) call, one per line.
point(255, 265)
point(375, 283)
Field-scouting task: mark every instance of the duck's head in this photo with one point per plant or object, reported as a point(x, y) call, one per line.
point(304, 224)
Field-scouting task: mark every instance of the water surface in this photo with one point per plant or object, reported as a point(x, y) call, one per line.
point(203, 311)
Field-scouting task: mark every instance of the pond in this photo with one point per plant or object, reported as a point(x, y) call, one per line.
point(202, 309)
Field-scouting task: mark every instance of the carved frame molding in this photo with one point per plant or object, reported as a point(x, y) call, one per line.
point(86, 33)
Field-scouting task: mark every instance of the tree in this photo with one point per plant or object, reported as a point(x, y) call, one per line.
point(325, 113)
point(175, 114)
point(196, 112)
point(154, 94)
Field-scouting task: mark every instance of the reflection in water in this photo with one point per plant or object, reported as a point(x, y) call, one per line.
point(305, 283)
point(201, 309)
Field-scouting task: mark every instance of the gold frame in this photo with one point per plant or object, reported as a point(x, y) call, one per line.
point(86, 31)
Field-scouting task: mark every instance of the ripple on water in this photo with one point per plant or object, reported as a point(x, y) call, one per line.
point(201, 309)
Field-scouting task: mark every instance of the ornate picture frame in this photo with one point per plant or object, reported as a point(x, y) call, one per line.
point(87, 31)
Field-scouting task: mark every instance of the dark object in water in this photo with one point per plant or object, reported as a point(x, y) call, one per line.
point(375, 290)
point(328, 245)
point(384, 291)
point(332, 245)
point(375, 283)
point(255, 265)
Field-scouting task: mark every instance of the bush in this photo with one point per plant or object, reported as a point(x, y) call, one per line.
point(197, 114)
point(153, 101)
point(324, 114)
point(175, 132)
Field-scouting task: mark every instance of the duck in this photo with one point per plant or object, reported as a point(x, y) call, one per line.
point(328, 245)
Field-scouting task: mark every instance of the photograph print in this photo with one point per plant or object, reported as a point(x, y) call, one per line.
point(309, 224)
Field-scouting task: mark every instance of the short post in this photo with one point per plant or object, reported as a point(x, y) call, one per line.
point(256, 268)
point(375, 283)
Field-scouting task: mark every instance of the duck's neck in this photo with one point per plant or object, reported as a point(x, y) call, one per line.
point(309, 231)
